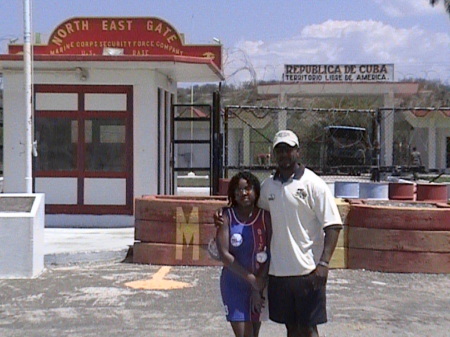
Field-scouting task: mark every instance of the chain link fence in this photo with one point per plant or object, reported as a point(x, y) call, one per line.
point(345, 142)
point(410, 132)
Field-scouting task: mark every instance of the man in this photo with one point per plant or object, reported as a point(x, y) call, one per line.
point(415, 162)
point(416, 159)
point(305, 226)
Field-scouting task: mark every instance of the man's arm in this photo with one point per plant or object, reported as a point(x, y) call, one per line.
point(331, 239)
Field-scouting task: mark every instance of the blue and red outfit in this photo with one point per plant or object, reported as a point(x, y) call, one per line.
point(246, 241)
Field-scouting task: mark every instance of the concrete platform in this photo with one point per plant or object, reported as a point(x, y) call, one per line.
point(89, 289)
point(71, 245)
point(118, 299)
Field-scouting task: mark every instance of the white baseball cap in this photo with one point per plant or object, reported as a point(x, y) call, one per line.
point(285, 136)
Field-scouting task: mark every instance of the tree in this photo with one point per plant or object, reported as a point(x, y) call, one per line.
point(446, 4)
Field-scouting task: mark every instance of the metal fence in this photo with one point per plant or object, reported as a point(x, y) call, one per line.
point(338, 141)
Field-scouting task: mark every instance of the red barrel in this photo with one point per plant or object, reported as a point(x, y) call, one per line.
point(401, 191)
point(432, 192)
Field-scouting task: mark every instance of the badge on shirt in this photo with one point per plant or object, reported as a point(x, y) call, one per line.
point(271, 197)
point(301, 193)
point(236, 240)
point(261, 257)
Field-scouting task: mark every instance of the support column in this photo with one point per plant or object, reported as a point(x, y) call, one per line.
point(282, 120)
point(246, 145)
point(282, 115)
point(431, 152)
point(387, 130)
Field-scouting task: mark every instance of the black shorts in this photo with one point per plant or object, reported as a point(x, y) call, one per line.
point(292, 300)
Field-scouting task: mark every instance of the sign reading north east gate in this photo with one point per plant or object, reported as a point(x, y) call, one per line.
point(137, 36)
point(338, 73)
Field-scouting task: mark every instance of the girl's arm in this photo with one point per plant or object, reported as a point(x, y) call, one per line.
point(229, 261)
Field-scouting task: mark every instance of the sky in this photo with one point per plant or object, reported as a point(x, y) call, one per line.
point(260, 36)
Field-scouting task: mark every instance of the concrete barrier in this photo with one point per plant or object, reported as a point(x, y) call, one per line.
point(22, 222)
point(399, 236)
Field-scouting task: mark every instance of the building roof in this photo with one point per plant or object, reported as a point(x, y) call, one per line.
point(147, 43)
point(178, 68)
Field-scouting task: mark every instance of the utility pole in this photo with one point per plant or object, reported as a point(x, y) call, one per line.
point(28, 94)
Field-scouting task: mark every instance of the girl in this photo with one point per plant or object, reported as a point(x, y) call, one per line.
point(243, 243)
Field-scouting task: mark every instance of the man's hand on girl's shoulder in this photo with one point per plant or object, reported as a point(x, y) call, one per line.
point(218, 218)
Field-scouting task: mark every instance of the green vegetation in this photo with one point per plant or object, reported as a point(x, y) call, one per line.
point(431, 94)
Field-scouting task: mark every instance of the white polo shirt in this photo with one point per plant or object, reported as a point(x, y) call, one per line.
point(300, 209)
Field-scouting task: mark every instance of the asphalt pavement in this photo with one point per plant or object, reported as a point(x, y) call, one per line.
point(90, 288)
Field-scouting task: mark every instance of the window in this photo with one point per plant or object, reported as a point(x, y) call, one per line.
point(84, 140)
point(105, 145)
point(57, 149)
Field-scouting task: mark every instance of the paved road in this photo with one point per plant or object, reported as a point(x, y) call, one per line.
point(114, 298)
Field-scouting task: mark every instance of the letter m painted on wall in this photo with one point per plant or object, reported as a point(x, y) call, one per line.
point(188, 232)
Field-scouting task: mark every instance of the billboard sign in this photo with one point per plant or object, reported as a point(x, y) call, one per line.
point(338, 73)
point(113, 36)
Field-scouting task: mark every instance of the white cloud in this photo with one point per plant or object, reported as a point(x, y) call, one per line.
point(252, 47)
point(413, 51)
point(402, 8)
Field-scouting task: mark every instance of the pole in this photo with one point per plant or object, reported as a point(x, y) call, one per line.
point(192, 125)
point(28, 97)
point(216, 152)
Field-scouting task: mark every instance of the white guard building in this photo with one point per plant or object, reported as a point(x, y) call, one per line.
point(103, 89)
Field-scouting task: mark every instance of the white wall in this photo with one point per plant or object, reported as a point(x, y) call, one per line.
point(14, 133)
point(145, 103)
point(22, 238)
point(441, 147)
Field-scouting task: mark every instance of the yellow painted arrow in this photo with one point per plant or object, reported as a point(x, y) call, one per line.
point(158, 282)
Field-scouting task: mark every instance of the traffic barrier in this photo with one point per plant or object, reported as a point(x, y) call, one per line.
point(175, 230)
point(399, 237)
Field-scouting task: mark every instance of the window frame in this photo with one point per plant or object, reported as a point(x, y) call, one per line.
point(81, 115)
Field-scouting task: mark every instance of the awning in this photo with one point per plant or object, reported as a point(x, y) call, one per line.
point(178, 68)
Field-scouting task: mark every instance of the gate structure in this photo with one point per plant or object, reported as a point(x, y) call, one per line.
point(331, 140)
point(334, 141)
point(191, 143)
point(196, 146)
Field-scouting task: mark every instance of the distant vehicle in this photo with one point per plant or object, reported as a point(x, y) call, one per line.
point(344, 146)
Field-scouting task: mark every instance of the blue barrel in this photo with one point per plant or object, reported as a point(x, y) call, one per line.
point(346, 189)
point(372, 190)
point(330, 185)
